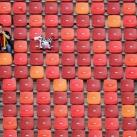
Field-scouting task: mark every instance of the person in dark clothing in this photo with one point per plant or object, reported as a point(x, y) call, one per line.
point(5, 40)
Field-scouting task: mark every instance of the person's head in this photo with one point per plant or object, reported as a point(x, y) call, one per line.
point(1, 28)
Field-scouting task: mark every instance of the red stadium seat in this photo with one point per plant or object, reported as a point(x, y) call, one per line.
point(83, 21)
point(35, 7)
point(83, 46)
point(9, 111)
point(111, 111)
point(19, 7)
point(20, 33)
point(36, 59)
point(35, 20)
point(66, 8)
point(94, 111)
point(5, 72)
point(5, 20)
point(99, 34)
point(5, 7)
point(44, 123)
point(26, 123)
point(98, 21)
point(24, 133)
point(34, 32)
point(51, 20)
point(43, 111)
point(20, 72)
point(113, 8)
point(9, 85)
point(114, 34)
point(67, 46)
point(26, 111)
point(131, 72)
point(9, 97)
point(52, 32)
point(99, 60)
point(43, 85)
point(19, 20)
point(20, 59)
point(26, 85)
point(130, 47)
point(20, 46)
point(79, 126)
point(67, 20)
point(51, 8)
point(115, 60)
point(116, 72)
point(60, 98)
point(8, 133)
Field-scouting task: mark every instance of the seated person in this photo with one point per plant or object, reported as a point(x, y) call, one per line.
point(5, 40)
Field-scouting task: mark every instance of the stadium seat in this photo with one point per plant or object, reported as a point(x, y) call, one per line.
point(52, 72)
point(67, 33)
point(35, 20)
point(26, 98)
point(76, 98)
point(131, 73)
point(99, 60)
point(99, 47)
point(5, 7)
point(26, 111)
point(60, 98)
point(43, 98)
point(5, 59)
point(51, 20)
point(26, 123)
point(36, 59)
point(43, 111)
point(9, 111)
point(44, 133)
point(9, 84)
point(36, 72)
point(51, 8)
point(26, 85)
point(84, 72)
point(97, 8)
point(68, 59)
point(83, 34)
point(67, 20)
point(115, 47)
point(66, 8)
point(98, 34)
point(58, 123)
point(126, 126)
point(93, 133)
point(76, 126)
point(19, 8)
point(129, 8)
point(114, 21)
point(77, 111)
point(20, 72)
point(20, 33)
point(52, 59)
point(83, 46)
point(44, 123)
point(115, 60)
point(130, 60)
point(128, 111)
point(76, 85)
point(94, 124)
point(9, 98)
point(130, 47)
point(67, 46)
point(68, 72)
point(98, 21)
point(20, 46)
point(116, 73)
point(5, 20)
point(100, 73)
point(9, 123)
point(27, 132)
point(114, 34)
point(82, 21)
point(111, 111)
point(20, 59)
point(61, 132)
point(60, 111)
point(8, 133)
point(43, 85)
point(112, 124)
point(35, 8)
point(130, 34)
point(82, 8)
point(52, 32)
point(19, 20)
point(5, 72)
point(113, 8)
point(34, 32)
point(94, 111)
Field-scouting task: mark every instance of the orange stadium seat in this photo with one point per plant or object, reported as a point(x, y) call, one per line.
point(5, 59)
point(20, 46)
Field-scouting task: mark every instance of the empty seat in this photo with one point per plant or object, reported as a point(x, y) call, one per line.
point(98, 34)
point(52, 32)
point(130, 34)
point(67, 34)
point(19, 20)
point(60, 98)
point(83, 34)
point(113, 8)
point(5, 59)
point(130, 47)
point(100, 73)
point(131, 72)
point(116, 73)
point(131, 60)
point(94, 111)
point(9, 84)
point(26, 98)
point(43, 111)
point(115, 47)
point(36, 72)
point(67, 20)
point(34, 32)
point(81, 122)
point(20, 46)
point(5, 7)
point(44, 133)
point(26, 111)
point(5, 20)
point(36, 59)
point(82, 21)
point(66, 8)
point(20, 59)
point(35, 7)
point(99, 47)
point(98, 21)
point(52, 59)
point(51, 20)
point(35, 20)
point(97, 8)
point(27, 132)
point(20, 33)
point(111, 111)
point(129, 8)
point(83, 59)
point(67, 46)
point(9, 111)
point(99, 60)
point(114, 34)
point(20, 72)
point(82, 8)
point(43, 98)
point(51, 8)
point(26, 85)
point(5, 72)
point(43, 84)
point(52, 72)
point(115, 60)
point(19, 7)
point(83, 46)
point(9, 98)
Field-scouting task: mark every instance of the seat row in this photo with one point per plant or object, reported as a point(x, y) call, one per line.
point(67, 8)
point(68, 20)
point(76, 85)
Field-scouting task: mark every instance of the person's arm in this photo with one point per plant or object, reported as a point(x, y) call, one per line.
point(7, 35)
